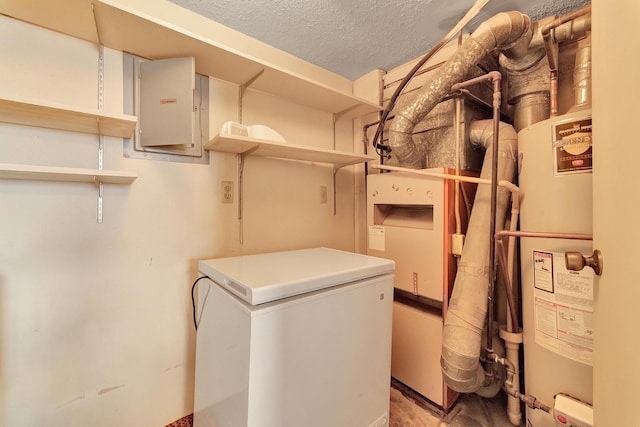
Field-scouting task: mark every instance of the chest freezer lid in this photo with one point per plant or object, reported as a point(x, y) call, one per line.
point(269, 277)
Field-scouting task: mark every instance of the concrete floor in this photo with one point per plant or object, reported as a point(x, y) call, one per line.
point(470, 411)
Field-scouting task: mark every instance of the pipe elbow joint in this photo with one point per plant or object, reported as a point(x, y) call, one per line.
point(516, 47)
point(401, 143)
point(462, 374)
point(511, 32)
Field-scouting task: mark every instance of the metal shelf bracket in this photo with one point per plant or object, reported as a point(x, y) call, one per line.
point(100, 137)
point(241, 90)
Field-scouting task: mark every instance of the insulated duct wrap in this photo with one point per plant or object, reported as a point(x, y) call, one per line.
point(510, 32)
point(464, 323)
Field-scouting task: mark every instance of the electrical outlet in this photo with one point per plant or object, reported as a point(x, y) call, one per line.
point(226, 188)
point(323, 194)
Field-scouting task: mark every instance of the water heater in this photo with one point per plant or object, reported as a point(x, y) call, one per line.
point(557, 303)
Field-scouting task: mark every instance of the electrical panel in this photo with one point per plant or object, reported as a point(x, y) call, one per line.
point(171, 103)
point(166, 102)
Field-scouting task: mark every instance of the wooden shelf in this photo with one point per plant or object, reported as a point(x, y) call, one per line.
point(60, 174)
point(258, 147)
point(50, 115)
point(161, 29)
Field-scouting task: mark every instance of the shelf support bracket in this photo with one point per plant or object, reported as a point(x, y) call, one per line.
point(241, 90)
point(344, 112)
point(99, 183)
point(240, 197)
point(100, 137)
point(241, 159)
point(335, 192)
point(335, 117)
point(100, 187)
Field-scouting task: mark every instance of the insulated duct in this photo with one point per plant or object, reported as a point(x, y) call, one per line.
point(510, 32)
point(468, 305)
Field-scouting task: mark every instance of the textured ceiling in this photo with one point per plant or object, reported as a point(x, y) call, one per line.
point(353, 37)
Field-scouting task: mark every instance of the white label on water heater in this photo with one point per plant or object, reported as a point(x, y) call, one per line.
point(563, 307)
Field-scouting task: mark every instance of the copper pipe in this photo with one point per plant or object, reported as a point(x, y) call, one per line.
point(492, 75)
point(544, 235)
point(509, 32)
point(511, 300)
point(553, 93)
point(497, 100)
point(509, 385)
point(550, 46)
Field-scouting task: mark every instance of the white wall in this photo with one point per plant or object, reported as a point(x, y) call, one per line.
point(616, 193)
point(95, 319)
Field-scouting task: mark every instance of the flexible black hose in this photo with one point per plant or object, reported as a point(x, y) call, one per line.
point(193, 300)
point(479, 4)
point(398, 91)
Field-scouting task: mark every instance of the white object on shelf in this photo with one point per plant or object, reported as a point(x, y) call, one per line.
point(245, 145)
point(234, 128)
point(226, 143)
point(265, 132)
point(62, 174)
point(254, 131)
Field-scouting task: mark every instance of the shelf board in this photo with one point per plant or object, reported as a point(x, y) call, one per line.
point(62, 174)
point(51, 115)
point(161, 30)
point(236, 144)
point(144, 33)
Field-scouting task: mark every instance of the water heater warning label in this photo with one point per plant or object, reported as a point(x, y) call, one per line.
point(572, 146)
point(563, 307)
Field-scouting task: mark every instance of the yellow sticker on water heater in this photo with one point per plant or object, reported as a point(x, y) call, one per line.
point(572, 146)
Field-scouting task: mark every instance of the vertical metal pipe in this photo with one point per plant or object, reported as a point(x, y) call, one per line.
point(553, 93)
point(496, 79)
point(497, 97)
point(457, 184)
point(551, 39)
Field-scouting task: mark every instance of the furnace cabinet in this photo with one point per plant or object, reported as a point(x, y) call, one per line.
point(410, 220)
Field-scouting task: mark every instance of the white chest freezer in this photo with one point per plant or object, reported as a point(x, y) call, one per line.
point(295, 338)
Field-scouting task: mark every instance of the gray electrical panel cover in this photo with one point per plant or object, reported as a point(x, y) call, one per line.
point(166, 102)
